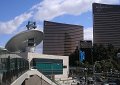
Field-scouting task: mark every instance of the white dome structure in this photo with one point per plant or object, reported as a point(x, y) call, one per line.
point(26, 40)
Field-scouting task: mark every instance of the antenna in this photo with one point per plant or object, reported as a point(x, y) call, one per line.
point(31, 25)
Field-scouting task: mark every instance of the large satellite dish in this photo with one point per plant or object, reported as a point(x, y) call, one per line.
point(26, 40)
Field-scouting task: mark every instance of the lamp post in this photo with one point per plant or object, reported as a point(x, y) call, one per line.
point(1, 76)
point(85, 70)
point(51, 71)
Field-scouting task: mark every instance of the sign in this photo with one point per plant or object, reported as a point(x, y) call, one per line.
point(82, 55)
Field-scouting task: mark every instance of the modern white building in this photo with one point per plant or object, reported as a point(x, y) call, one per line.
point(59, 65)
point(20, 55)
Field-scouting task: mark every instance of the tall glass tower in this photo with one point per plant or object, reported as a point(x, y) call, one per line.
point(61, 38)
point(106, 24)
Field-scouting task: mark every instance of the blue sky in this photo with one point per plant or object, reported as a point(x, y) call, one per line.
point(16, 13)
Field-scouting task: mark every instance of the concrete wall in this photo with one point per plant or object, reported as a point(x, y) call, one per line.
point(64, 58)
point(35, 80)
point(22, 80)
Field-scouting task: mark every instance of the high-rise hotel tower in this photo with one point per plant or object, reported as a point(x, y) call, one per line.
point(60, 38)
point(106, 24)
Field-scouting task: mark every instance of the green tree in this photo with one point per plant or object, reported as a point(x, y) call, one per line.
point(111, 52)
point(107, 56)
point(108, 66)
point(99, 52)
point(98, 67)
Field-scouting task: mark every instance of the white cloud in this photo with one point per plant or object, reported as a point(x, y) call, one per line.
point(108, 1)
point(39, 48)
point(39, 27)
point(10, 26)
point(49, 9)
point(88, 33)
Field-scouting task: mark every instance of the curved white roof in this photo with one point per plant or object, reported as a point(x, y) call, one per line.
point(3, 49)
point(20, 41)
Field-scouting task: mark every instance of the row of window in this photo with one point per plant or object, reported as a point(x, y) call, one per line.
point(48, 66)
point(8, 64)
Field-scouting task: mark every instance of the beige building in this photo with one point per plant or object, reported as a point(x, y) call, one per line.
point(65, 63)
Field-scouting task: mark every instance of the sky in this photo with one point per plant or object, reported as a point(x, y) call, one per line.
point(14, 15)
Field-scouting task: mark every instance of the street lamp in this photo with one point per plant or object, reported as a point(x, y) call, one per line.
point(85, 70)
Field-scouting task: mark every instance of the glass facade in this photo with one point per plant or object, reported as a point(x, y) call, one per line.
point(106, 24)
point(48, 66)
point(7, 64)
point(61, 38)
point(11, 68)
